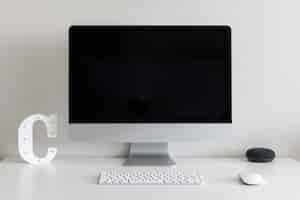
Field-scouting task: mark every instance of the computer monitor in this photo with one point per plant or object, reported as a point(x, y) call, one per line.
point(151, 76)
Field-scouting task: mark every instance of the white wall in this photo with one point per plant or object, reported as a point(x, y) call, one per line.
point(265, 36)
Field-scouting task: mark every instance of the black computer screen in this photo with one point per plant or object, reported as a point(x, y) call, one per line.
point(149, 74)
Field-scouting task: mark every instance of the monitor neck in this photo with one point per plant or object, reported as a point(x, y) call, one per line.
point(149, 154)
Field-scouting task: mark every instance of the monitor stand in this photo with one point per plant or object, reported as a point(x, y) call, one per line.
point(149, 154)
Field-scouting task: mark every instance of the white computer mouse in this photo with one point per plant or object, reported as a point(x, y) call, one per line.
point(249, 178)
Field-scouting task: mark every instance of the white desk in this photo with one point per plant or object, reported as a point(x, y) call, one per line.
point(76, 179)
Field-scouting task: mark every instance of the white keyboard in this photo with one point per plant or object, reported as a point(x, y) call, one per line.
point(148, 176)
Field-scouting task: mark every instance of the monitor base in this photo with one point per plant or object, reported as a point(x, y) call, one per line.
point(149, 154)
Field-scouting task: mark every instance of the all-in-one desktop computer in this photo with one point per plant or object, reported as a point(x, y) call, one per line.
point(148, 78)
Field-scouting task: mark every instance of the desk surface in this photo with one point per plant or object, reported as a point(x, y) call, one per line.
point(76, 179)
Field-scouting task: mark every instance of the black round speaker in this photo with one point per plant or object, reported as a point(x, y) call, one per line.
point(260, 155)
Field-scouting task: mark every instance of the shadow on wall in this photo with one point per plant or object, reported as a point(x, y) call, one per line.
point(34, 78)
